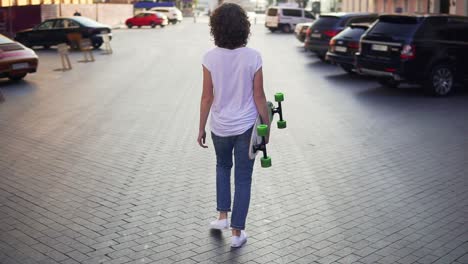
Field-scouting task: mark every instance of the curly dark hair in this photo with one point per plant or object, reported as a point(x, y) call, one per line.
point(230, 26)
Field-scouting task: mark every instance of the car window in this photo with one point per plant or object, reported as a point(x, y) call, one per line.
point(352, 32)
point(72, 24)
point(140, 15)
point(272, 12)
point(308, 14)
point(59, 23)
point(434, 28)
point(326, 21)
point(292, 12)
point(363, 20)
point(459, 33)
point(46, 25)
point(395, 26)
point(66, 23)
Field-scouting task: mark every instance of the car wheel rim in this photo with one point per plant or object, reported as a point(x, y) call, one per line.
point(443, 81)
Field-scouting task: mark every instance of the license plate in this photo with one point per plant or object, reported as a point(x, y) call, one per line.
point(379, 47)
point(19, 66)
point(315, 35)
point(341, 49)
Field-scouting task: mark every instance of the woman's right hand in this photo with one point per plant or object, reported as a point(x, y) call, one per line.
point(202, 138)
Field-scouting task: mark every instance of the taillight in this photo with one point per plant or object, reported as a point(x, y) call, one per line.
point(308, 32)
point(332, 42)
point(353, 45)
point(408, 52)
point(330, 33)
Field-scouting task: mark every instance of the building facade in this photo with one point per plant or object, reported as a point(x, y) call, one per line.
point(459, 7)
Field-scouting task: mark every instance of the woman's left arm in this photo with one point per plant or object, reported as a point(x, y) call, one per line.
point(205, 105)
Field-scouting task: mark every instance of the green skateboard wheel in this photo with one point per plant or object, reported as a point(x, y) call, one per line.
point(279, 97)
point(281, 124)
point(266, 162)
point(262, 130)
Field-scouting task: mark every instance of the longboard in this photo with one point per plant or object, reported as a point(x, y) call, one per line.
point(260, 131)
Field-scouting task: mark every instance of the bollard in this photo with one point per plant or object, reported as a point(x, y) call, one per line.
point(87, 49)
point(63, 52)
point(107, 46)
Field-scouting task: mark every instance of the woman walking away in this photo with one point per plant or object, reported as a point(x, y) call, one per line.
point(233, 93)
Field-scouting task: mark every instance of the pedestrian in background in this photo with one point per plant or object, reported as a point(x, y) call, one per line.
point(77, 13)
point(233, 93)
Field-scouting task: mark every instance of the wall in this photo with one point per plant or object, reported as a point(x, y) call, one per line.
point(16, 18)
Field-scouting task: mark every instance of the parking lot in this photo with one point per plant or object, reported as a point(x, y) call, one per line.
point(100, 164)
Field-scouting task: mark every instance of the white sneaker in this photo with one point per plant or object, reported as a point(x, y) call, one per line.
point(220, 224)
point(238, 241)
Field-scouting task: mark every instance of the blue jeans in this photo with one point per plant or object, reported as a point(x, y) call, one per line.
point(224, 147)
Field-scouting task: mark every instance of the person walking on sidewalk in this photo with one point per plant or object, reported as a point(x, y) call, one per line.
point(233, 93)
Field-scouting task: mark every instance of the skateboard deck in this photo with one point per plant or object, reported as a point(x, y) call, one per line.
point(255, 139)
point(260, 131)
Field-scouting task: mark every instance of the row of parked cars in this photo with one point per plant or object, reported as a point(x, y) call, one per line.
point(426, 49)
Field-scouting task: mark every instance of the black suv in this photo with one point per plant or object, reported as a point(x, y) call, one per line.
point(329, 25)
point(344, 46)
point(431, 50)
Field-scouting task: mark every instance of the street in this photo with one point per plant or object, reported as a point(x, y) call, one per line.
point(100, 164)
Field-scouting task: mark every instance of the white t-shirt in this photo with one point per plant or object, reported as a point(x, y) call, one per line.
point(233, 110)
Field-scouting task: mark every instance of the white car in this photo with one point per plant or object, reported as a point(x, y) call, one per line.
point(286, 18)
point(173, 13)
point(301, 29)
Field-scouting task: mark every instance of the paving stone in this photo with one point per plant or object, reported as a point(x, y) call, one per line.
point(91, 171)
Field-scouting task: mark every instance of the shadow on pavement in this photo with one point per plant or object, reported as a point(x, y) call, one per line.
point(16, 88)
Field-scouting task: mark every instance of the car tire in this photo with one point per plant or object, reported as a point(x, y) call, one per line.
point(321, 56)
point(441, 80)
point(348, 68)
point(162, 25)
point(153, 25)
point(16, 78)
point(129, 25)
point(97, 44)
point(389, 83)
point(286, 28)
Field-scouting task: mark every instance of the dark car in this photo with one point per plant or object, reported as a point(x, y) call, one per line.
point(329, 25)
point(343, 47)
point(431, 50)
point(54, 31)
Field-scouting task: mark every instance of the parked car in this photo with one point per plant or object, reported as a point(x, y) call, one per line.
point(147, 18)
point(16, 60)
point(301, 29)
point(329, 25)
point(431, 50)
point(173, 13)
point(286, 18)
point(343, 47)
point(54, 31)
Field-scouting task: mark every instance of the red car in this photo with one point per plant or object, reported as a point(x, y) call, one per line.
point(147, 18)
point(16, 60)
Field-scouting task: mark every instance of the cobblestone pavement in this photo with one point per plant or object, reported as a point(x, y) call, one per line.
point(100, 164)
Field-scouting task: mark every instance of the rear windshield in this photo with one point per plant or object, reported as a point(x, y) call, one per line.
point(394, 26)
point(326, 21)
point(352, 32)
point(272, 12)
